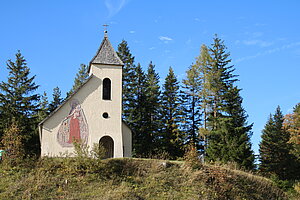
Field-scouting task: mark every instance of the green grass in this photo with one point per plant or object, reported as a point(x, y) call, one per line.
point(73, 178)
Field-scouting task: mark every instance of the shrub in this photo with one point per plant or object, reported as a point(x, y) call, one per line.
point(191, 157)
point(98, 151)
point(297, 187)
point(12, 141)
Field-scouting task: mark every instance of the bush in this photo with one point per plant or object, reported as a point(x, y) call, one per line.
point(191, 157)
point(98, 151)
point(285, 185)
point(12, 141)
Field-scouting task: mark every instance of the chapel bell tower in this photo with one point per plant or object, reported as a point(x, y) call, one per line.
point(106, 67)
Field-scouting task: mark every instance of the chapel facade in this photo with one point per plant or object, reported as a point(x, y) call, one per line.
point(93, 113)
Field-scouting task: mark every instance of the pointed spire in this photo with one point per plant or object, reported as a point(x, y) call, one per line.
point(106, 54)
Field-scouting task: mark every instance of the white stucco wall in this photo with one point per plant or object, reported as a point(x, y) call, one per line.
point(93, 106)
point(127, 140)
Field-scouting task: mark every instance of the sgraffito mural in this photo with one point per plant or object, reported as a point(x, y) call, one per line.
point(74, 127)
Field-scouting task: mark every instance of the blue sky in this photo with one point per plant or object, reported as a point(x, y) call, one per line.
point(263, 37)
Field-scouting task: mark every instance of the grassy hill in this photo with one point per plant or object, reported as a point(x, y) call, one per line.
point(84, 178)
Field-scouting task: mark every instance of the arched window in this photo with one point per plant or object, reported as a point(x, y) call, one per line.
point(106, 89)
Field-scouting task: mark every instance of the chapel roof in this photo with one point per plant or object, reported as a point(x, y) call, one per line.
point(106, 54)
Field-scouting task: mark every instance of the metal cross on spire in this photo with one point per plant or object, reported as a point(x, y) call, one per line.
point(105, 29)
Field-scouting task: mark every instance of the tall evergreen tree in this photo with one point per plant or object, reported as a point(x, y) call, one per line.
point(18, 99)
point(227, 121)
point(81, 76)
point(274, 149)
point(128, 81)
point(138, 115)
point(238, 131)
point(171, 139)
point(152, 111)
point(191, 106)
point(56, 99)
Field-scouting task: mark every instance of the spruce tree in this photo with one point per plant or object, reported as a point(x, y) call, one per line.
point(138, 115)
point(128, 81)
point(18, 99)
point(80, 78)
point(274, 149)
point(191, 107)
point(171, 140)
point(56, 99)
point(152, 111)
point(229, 134)
point(238, 131)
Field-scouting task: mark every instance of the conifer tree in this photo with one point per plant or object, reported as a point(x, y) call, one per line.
point(171, 140)
point(43, 108)
point(274, 149)
point(203, 61)
point(56, 99)
point(18, 99)
point(202, 65)
point(238, 131)
point(191, 106)
point(81, 76)
point(229, 134)
point(152, 111)
point(128, 80)
point(138, 115)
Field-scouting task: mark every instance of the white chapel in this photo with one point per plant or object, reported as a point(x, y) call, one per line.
point(92, 114)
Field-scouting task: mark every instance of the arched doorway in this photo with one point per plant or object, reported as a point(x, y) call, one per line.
point(108, 144)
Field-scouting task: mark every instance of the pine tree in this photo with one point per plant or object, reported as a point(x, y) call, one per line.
point(191, 107)
point(80, 78)
point(18, 100)
point(56, 101)
point(171, 140)
point(274, 149)
point(128, 81)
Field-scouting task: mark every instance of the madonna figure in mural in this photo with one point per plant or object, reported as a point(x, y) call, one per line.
point(74, 127)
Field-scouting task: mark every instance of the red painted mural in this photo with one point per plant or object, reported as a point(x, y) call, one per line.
point(74, 127)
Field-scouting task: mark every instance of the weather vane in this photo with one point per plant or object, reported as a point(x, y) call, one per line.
point(105, 29)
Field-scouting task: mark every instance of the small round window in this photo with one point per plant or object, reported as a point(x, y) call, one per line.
point(105, 115)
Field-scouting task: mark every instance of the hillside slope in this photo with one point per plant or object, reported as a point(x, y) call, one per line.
point(85, 178)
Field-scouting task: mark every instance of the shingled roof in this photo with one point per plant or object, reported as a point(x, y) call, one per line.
point(106, 54)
